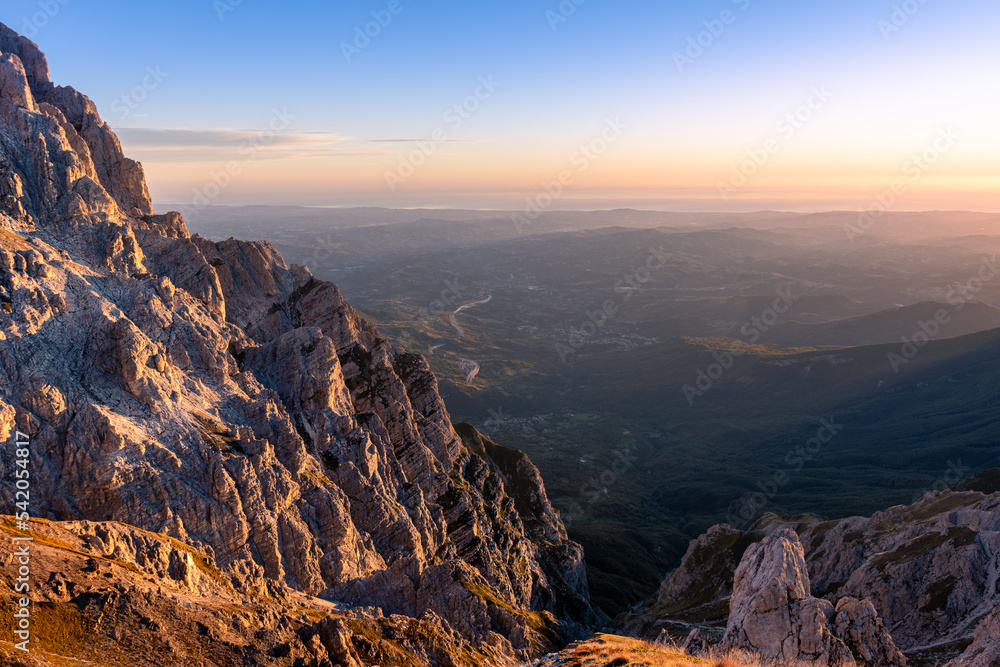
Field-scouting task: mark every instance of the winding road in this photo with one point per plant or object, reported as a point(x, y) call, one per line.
point(474, 371)
point(461, 332)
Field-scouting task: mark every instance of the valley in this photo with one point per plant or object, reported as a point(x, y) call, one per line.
point(667, 372)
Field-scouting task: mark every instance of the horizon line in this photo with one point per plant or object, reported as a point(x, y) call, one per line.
point(347, 207)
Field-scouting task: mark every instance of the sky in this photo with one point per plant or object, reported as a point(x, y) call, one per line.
point(711, 105)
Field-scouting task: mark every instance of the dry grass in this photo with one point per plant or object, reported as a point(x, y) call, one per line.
point(741, 659)
point(613, 651)
point(12, 241)
point(732, 658)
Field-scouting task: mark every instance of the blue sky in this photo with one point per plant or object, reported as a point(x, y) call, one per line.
point(226, 67)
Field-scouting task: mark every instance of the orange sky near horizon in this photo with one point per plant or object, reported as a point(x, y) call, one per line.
point(467, 173)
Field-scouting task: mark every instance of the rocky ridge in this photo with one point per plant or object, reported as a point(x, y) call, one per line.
point(213, 394)
point(929, 572)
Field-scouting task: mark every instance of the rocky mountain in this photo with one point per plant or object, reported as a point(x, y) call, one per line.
point(926, 574)
point(237, 432)
point(229, 466)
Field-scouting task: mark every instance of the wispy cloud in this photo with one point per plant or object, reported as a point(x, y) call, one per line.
point(185, 145)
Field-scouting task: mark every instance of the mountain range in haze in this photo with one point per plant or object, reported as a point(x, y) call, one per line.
point(701, 446)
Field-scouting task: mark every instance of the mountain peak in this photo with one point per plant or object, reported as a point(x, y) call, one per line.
point(61, 164)
point(35, 63)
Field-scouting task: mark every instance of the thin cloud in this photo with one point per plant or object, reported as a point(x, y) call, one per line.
point(185, 145)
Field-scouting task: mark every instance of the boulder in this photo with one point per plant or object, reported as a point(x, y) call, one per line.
point(773, 614)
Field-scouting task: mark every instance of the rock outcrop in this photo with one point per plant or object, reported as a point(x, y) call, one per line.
point(718, 550)
point(696, 643)
point(930, 570)
point(773, 614)
point(210, 392)
point(858, 625)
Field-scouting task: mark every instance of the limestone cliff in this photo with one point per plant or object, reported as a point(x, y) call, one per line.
point(209, 392)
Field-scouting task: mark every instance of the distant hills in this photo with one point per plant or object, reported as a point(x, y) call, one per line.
point(692, 463)
point(890, 325)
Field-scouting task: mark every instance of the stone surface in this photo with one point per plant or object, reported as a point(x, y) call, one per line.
point(115, 596)
point(696, 643)
point(686, 586)
point(858, 625)
point(771, 612)
point(930, 569)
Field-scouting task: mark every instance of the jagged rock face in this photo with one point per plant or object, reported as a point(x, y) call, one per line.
point(930, 570)
point(212, 393)
point(773, 614)
point(687, 586)
point(69, 162)
point(858, 625)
